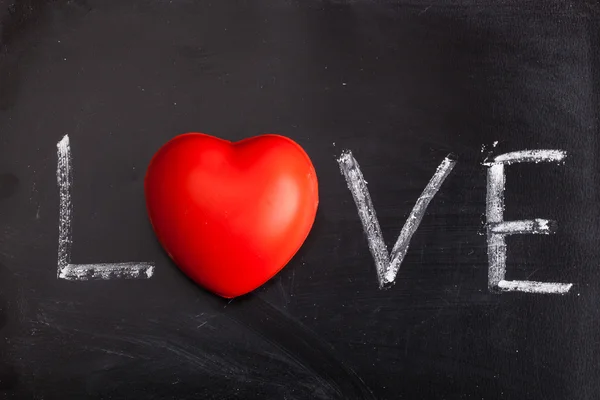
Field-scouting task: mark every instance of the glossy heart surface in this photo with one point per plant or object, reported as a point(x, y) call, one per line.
point(231, 215)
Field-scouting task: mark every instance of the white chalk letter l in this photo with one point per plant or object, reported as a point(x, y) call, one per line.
point(84, 272)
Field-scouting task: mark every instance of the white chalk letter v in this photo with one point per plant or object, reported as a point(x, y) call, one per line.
point(388, 266)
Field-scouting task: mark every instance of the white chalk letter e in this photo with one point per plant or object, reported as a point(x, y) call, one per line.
point(498, 229)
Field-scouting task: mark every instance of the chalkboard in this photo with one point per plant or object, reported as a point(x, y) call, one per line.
point(384, 90)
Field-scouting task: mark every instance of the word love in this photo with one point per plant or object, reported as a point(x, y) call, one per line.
point(387, 264)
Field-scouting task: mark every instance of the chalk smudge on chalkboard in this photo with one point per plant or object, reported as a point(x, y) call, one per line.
point(83, 272)
point(388, 266)
point(485, 148)
point(498, 229)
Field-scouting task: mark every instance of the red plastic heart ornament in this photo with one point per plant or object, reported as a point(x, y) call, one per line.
point(231, 215)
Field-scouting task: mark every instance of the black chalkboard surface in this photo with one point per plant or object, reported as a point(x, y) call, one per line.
point(400, 85)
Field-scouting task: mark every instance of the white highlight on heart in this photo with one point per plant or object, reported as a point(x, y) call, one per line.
point(84, 272)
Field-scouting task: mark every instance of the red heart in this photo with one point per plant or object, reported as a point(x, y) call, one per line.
point(231, 215)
